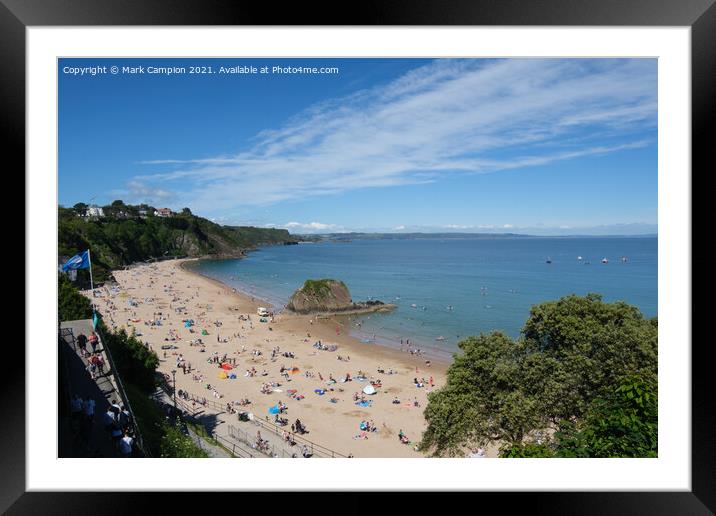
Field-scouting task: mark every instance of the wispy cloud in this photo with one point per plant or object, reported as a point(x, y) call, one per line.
point(140, 191)
point(448, 117)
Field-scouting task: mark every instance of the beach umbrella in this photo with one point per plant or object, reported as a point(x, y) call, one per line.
point(369, 389)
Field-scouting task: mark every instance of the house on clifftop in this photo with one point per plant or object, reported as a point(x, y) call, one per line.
point(163, 212)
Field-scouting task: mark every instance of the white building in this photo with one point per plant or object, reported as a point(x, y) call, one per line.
point(94, 211)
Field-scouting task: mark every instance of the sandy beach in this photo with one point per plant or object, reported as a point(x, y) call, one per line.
point(156, 300)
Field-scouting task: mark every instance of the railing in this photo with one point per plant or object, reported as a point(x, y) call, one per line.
point(268, 425)
point(314, 447)
point(232, 447)
point(272, 450)
point(122, 392)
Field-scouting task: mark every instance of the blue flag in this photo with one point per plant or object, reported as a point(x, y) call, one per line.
point(78, 261)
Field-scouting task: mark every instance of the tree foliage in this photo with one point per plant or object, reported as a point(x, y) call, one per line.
point(559, 375)
point(71, 305)
point(176, 444)
point(136, 363)
point(123, 237)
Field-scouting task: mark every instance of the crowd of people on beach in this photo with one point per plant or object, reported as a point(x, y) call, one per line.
point(198, 317)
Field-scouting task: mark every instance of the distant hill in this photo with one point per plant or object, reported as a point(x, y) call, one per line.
point(121, 234)
point(403, 236)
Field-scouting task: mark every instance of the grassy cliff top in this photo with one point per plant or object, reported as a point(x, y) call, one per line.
point(320, 287)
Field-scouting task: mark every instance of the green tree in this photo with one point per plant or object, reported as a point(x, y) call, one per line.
point(503, 390)
point(482, 401)
point(80, 208)
point(71, 305)
point(136, 363)
point(621, 423)
point(175, 444)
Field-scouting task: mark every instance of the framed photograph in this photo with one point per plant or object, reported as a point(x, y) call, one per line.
point(391, 244)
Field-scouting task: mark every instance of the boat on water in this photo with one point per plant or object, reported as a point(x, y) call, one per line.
point(440, 338)
point(624, 259)
point(604, 260)
point(413, 305)
point(579, 258)
point(548, 260)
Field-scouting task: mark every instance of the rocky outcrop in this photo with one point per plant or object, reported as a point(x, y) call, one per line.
point(329, 296)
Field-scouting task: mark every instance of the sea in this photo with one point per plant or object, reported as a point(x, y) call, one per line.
point(447, 289)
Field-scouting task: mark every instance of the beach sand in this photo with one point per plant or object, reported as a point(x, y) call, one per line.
point(166, 286)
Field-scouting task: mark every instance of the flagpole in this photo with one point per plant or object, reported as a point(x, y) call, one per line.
point(94, 313)
point(89, 258)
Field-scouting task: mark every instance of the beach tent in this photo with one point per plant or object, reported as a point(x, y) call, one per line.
point(227, 366)
point(222, 375)
point(369, 389)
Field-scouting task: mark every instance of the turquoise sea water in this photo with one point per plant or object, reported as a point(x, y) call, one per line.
point(489, 283)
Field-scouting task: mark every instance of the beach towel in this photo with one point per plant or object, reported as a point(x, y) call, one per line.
point(320, 392)
point(227, 366)
point(274, 410)
point(232, 376)
point(363, 403)
point(291, 391)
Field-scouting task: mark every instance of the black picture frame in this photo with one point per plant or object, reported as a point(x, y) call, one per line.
point(17, 15)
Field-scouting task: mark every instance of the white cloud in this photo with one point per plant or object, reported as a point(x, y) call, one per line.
point(448, 117)
point(140, 192)
point(308, 227)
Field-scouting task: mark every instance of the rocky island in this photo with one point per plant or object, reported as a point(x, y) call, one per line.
point(330, 296)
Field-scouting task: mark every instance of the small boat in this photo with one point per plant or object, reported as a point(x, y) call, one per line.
point(440, 338)
point(549, 260)
point(413, 305)
point(579, 258)
point(604, 260)
point(624, 259)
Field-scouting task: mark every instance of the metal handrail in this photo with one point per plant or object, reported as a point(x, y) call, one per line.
point(275, 429)
point(122, 392)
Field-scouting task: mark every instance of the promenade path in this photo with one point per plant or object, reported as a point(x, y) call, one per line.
point(89, 440)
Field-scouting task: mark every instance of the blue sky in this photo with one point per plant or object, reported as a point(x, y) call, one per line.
point(540, 146)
